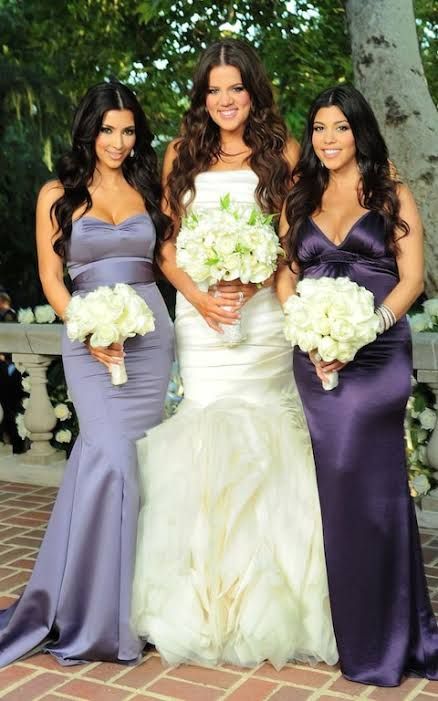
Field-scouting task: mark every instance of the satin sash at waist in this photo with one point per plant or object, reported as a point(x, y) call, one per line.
point(107, 272)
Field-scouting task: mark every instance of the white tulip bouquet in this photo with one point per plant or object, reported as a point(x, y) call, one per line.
point(109, 315)
point(232, 242)
point(333, 317)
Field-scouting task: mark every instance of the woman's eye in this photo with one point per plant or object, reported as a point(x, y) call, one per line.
point(212, 91)
point(105, 130)
point(129, 132)
point(343, 127)
point(317, 128)
point(239, 88)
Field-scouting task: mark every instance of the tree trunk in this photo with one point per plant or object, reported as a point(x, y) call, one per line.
point(388, 70)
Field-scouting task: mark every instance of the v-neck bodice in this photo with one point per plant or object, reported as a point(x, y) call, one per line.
point(363, 255)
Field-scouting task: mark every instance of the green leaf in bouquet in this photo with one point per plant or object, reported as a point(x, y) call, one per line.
point(253, 217)
point(225, 202)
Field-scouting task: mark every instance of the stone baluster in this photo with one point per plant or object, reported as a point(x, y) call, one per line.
point(39, 417)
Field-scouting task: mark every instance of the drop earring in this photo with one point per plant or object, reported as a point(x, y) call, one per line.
point(132, 154)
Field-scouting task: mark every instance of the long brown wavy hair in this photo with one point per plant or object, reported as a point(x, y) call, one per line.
point(377, 187)
point(199, 145)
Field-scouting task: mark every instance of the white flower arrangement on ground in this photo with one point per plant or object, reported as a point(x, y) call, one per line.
point(42, 314)
point(66, 428)
point(420, 421)
point(333, 317)
point(232, 242)
point(109, 315)
point(427, 320)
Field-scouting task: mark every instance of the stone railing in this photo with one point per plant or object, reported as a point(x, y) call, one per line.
point(34, 346)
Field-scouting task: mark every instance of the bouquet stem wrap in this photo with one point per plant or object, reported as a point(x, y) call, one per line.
point(233, 333)
point(118, 370)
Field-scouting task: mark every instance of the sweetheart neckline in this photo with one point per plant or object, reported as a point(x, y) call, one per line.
point(108, 223)
point(351, 229)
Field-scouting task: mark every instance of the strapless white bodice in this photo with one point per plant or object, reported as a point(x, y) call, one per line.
point(259, 367)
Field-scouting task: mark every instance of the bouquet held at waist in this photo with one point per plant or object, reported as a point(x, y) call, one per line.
point(331, 317)
point(232, 242)
point(109, 315)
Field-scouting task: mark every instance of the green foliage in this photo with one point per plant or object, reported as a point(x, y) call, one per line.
point(50, 53)
point(426, 15)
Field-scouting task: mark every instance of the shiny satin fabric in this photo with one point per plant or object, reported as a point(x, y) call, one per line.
point(78, 600)
point(230, 564)
point(383, 621)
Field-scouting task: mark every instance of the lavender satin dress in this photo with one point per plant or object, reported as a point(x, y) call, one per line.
point(382, 616)
point(77, 602)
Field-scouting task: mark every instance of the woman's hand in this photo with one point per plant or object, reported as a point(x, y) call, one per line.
point(216, 310)
point(112, 355)
point(323, 368)
point(234, 291)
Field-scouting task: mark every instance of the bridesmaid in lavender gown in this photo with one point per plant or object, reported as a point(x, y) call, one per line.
point(346, 216)
point(102, 218)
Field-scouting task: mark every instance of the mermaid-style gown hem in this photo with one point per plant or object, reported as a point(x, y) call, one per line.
point(77, 604)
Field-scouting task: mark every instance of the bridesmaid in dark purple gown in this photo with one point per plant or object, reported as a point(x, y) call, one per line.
point(347, 217)
point(103, 215)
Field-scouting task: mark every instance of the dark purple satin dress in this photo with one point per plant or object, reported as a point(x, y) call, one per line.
point(78, 600)
point(382, 616)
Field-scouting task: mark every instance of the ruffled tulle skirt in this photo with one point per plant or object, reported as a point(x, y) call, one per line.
point(230, 563)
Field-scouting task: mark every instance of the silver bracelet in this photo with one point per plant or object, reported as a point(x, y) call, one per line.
point(386, 318)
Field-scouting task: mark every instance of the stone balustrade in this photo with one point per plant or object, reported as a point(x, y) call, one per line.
point(34, 346)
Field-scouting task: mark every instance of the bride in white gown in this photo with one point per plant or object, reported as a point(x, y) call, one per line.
point(230, 563)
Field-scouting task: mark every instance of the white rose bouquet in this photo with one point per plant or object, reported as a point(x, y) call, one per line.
point(334, 317)
point(228, 243)
point(109, 315)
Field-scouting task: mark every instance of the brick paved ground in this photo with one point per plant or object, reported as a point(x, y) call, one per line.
point(23, 514)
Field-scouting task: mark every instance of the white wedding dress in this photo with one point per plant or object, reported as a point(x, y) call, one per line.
point(230, 561)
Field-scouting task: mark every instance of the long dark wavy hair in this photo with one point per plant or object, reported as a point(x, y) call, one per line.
point(377, 188)
point(199, 145)
point(76, 167)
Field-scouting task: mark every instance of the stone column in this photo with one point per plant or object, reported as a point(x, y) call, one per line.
point(39, 417)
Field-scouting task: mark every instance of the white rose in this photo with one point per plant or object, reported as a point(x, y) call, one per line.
point(63, 436)
point(308, 340)
point(346, 351)
point(104, 335)
point(26, 384)
point(44, 314)
point(427, 419)
point(422, 435)
point(421, 484)
point(62, 412)
point(328, 349)
point(26, 316)
point(342, 330)
point(430, 306)
point(420, 322)
point(422, 454)
point(21, 428)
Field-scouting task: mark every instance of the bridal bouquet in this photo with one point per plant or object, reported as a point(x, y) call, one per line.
point(333, 317)
point(109, 315)
point(228, 243)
